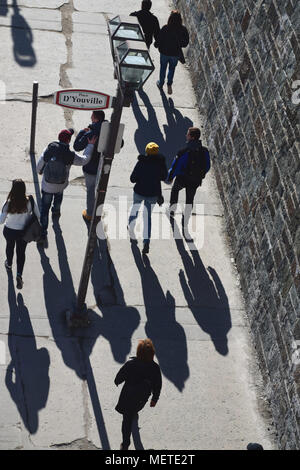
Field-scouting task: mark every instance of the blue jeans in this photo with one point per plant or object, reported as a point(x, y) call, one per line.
point(90, 183)
point(164, 61)
point(46, 204)
point(149, 202)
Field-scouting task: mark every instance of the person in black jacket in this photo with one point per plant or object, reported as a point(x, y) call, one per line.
point(142, 377)
point(148, 173)
point(90, 170)
point(172, 37)
point(148, 22)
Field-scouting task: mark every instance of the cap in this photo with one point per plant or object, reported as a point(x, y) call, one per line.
point(65, 135)
point(152, 148)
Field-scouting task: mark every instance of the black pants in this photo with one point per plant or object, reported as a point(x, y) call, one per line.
point(128, 419)
point(14, 239)
point(190, 191)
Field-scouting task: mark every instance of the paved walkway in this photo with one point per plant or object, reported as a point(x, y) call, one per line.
point(57, 390)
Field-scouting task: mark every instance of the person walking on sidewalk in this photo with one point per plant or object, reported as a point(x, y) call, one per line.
point(148, 173)
point(189, 168)
point(148, 22)
point(142, 377)
point(90, 169)
point(15, 214)
point(55, 163)
point(172, 37)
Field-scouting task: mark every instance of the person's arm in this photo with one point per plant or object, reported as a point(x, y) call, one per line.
point(135, 174)
point(121, 375)
point(156, 387)
point(81, 140)
point(3, 214)
point(156, 29)
point(164, 172)
point(87, 154)
point(41, 163)
point(185, 38)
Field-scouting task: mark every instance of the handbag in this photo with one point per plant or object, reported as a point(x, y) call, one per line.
point(33, 229)
point(181, 57)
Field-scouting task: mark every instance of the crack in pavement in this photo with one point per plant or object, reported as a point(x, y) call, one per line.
point(67, 11)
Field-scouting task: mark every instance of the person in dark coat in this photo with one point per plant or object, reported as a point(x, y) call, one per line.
point(90, 170)
point(148, 22)
point(172, 37)
point(148, 173)
point(142, 377)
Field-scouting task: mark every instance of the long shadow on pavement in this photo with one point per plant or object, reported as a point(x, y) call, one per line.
point(3, 8)
point(27, 375)
point(205, 295)
point(167, 334)
point(148, 129)
point(22, 38)
point(116, 325)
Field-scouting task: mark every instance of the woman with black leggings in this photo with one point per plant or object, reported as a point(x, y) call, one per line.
point(15, 214)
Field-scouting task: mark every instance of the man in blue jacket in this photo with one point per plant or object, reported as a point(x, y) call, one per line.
point(189, 169)
point(90, 170)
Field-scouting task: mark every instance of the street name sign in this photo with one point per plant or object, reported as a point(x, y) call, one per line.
point(83, 99)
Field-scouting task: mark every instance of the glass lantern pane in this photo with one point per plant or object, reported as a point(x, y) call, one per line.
point(113, 24)
point(129, 32)
point(138, 58)
point(134, 77)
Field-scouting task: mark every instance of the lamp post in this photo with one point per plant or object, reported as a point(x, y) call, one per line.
point(132, 67)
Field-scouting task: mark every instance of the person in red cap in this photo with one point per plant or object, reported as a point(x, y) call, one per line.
point(54, 164)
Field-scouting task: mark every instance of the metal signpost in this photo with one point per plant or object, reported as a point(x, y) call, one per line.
point(132, 67)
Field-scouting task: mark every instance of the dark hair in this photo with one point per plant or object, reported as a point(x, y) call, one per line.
point(194, 132)
point(175, 20)
point(17, 200)
point(99, 115)
point(145, 350)
point(146, 5)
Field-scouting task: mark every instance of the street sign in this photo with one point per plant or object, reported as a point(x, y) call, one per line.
point(83, 99)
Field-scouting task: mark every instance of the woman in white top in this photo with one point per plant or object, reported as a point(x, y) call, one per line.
point(16, 213)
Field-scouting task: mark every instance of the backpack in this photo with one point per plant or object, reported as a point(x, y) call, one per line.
point(57, 159)
point(197, 165)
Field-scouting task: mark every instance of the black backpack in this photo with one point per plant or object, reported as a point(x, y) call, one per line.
point(195, 169)
point(57, 158)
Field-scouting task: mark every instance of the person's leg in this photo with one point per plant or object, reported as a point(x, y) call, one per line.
point(163, 69)
point(177, 186)
point(10, 246)
point(137, 200)
point(57, 200)
point(20, 249)
point(149, 203)
point(126, 429)
point(189, 201)
point(173, 61)
point(90, 183)
point(45, 207)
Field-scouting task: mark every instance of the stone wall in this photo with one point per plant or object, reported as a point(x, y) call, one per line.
point(244, 62)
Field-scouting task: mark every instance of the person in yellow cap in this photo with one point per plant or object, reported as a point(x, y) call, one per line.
point(147, 175)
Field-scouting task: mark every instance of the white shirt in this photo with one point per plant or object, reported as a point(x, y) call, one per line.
point(17, 221)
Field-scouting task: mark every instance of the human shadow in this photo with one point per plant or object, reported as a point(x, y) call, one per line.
point(116, 324)
point(204, 294)
point(27, 375)
point(148, 130)
point(161, 327)
point(3, 8)
point(22, 39)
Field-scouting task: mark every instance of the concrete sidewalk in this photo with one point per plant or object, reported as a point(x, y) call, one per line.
point(57, 390)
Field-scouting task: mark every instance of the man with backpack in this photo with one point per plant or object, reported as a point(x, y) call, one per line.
point(55, 163)
point(189, 168)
